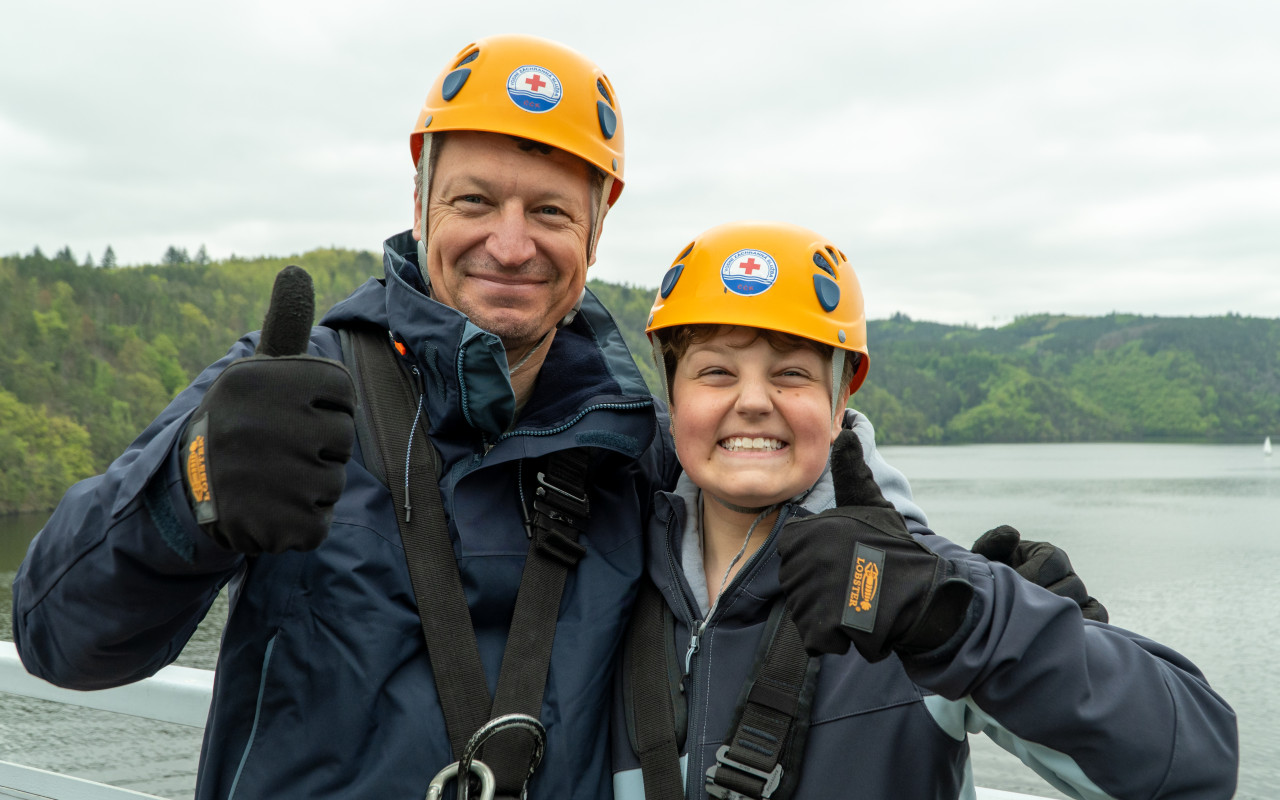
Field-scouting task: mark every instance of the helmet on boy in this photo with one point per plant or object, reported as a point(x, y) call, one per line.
point(769, 275)
point(532, 88)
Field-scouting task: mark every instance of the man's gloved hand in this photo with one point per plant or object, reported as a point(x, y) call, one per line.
point(1041, 563)
point(264, 455)
point(854, 574)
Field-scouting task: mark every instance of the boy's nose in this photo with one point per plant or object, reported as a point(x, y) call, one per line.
point(753, 397)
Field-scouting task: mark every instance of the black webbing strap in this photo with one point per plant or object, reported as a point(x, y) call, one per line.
point(389, 404)
point(765, 745)
point(765, 742)
point(650, 698)
point(560, 514)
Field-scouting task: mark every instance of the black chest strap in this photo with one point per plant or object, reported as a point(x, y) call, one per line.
point(385, 426)
point(764, 745)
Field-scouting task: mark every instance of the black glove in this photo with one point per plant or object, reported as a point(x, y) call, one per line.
point(854, 573)
point(1041, 563)
point(264, 455)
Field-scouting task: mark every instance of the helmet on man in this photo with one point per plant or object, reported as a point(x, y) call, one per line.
point(534, 89)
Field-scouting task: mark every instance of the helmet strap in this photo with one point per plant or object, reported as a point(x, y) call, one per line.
point(659, 361)
point(424, 195)
point(837, 371)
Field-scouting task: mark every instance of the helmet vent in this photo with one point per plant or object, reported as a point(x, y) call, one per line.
point(843, 257)
point(669, 280)
point(687, 251)
point(470, 53)
point(837, 258)
point(603, 91)
point(453, 83)
point(821, 262)
point(608, 120)
point(828, 292)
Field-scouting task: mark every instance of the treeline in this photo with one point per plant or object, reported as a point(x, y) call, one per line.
point(92, 354)
point(1070, 379)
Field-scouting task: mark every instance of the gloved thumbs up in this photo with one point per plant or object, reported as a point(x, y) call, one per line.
point(854, 574)
point(265, 453)
point(287, 328)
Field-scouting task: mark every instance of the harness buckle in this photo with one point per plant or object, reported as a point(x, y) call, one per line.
point(771, 779)
point(581, 505)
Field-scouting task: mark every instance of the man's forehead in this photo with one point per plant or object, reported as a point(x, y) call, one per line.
point(457, 148)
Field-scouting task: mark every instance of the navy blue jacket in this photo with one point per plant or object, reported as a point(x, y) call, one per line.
point(323, 684)
point(1097, 711)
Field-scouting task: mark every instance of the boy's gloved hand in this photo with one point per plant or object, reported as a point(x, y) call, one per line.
point(264, 455)
point(1041, 563)
point(854, 573)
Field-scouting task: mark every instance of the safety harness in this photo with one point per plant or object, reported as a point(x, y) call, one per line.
point(764, 745)
point(390, 422)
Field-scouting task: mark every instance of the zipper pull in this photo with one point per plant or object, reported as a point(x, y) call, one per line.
point(694, 641)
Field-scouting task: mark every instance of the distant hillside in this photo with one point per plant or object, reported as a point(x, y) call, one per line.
point(91, 355)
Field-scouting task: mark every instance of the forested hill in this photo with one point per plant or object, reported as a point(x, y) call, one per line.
point(90, 356)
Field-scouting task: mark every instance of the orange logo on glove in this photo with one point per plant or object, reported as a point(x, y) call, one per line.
point(866, 582)
point(197, 474)
point(864, 588)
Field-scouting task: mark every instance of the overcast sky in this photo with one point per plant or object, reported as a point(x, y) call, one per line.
point(976, 160)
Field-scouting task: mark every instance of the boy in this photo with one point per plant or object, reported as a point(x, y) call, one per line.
point(759, 333)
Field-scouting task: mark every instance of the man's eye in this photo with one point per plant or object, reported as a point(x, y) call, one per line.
point(551, 211)
point(470, 198)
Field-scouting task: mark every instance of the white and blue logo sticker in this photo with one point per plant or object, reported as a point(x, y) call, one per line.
point(749, 272)
point(534, 88)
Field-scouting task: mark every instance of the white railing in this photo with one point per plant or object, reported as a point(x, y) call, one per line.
point(174, 694)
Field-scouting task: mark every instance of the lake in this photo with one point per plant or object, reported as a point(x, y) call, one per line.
point(1178, 541)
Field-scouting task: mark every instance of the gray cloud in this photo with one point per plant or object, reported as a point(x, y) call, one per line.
point(977, 160)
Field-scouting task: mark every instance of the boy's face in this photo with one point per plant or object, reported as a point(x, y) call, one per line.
point(753, 425)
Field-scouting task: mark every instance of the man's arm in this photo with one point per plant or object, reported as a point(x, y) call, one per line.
point(130, 561)
point(120, 576)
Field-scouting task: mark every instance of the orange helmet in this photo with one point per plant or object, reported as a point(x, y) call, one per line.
point(532, 88)
point(766, 275)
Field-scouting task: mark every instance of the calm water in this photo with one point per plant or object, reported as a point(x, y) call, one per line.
point(1179, 541)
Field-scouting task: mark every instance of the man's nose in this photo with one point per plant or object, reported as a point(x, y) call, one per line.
point(510, 242)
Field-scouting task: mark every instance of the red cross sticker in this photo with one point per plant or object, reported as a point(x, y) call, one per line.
point(536, 81)
point(751, 265)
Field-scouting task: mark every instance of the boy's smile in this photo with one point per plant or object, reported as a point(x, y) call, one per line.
point(753, 425)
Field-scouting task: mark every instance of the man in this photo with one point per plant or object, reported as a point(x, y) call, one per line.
point(325, 685)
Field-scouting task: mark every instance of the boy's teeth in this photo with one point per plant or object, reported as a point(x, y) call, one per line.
point(749, 443)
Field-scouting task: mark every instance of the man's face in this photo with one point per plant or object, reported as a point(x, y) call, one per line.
point(507, 233)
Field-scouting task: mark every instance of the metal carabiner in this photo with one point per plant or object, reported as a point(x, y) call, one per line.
point(495, 726)
point(488, 785)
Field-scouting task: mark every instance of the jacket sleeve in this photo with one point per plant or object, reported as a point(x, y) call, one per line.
point(1098, 711)
point(120, 576)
